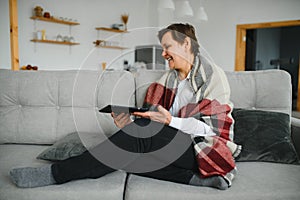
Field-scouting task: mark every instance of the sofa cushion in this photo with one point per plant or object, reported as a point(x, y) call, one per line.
point(249, 89)
point(71, 145)
point(269, 90)
point(254, 180)
point(143, 79)
point(264, 136)
point(110, 186)
point(41, 107)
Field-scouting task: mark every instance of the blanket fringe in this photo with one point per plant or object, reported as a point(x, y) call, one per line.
point(237, 151)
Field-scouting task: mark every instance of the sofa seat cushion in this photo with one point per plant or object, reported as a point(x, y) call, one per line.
point(255, 180)
point(110, 186)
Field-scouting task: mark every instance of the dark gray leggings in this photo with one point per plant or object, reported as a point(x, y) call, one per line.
point(150, 137)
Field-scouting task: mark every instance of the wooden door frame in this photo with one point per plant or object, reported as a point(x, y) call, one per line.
point(240, 50)
point(241, 30)
point(14, 37)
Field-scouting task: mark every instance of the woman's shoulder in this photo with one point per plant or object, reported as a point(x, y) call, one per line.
point(167, 76)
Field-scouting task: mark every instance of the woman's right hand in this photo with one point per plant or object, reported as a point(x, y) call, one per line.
point(121, 119)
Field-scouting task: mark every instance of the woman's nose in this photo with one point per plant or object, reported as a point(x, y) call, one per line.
point(164, 53)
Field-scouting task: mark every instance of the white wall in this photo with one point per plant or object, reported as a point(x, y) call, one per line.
point(90, 14)
point(4, 35)
point(217, 35)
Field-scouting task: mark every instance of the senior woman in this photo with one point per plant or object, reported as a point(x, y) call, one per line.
point(186, 139)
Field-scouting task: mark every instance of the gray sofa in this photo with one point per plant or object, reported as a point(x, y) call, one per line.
point(41, 107)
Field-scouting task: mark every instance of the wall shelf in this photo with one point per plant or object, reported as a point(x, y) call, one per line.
point(55, 42)
point(112, 47)
point(58, 21)
point(103, 43)
point(54, 20)
point(110, 30)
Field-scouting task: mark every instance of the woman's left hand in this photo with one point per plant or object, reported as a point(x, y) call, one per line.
point(161, 115)
point(121, 119)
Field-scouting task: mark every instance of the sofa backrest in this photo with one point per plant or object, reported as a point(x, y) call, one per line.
point(269, 90)
point(41, 107)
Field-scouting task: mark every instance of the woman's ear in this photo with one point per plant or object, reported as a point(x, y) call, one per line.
point(187, 44)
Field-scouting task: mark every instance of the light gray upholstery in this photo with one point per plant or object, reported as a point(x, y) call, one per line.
point(143, 79)
point(43, 106)
point(263, 90)
point(40, 107)
point(254, 181)
point(110, 186)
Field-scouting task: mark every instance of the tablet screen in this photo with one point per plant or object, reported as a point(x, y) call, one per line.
point(121, 109)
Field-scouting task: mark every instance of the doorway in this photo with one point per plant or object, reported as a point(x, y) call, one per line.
point(273, 45)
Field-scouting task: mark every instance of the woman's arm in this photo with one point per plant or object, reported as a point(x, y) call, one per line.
point(192, 126)
point(161, 115)
point(188, 125)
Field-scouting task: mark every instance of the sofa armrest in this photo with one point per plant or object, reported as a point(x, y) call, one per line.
point(295, 129)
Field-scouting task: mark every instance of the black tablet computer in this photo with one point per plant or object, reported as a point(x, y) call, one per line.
point(121, 109)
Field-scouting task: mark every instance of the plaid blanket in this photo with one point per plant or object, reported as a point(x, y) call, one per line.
point(214, 154)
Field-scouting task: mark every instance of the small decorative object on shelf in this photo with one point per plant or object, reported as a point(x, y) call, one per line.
point(103, 65)
point(124, 18)
point(71, 39)
point(99, 42)
point(126, 65)
point(29, 67)
point(38, 11)
point(117, 26)
point(43, 34)
point(38, 35)
point(59, 38)
point(47, 15)
point(66, 39)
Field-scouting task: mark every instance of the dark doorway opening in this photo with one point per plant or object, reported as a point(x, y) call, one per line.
point(275, 48)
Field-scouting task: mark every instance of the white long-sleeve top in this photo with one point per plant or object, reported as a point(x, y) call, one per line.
point(189, 125)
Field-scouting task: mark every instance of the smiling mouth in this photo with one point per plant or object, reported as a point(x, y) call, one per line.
point(168, 59)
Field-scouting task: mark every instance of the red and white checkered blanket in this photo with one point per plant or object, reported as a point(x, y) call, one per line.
point(215, 155)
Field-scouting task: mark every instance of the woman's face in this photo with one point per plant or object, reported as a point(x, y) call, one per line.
point(175, 53)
